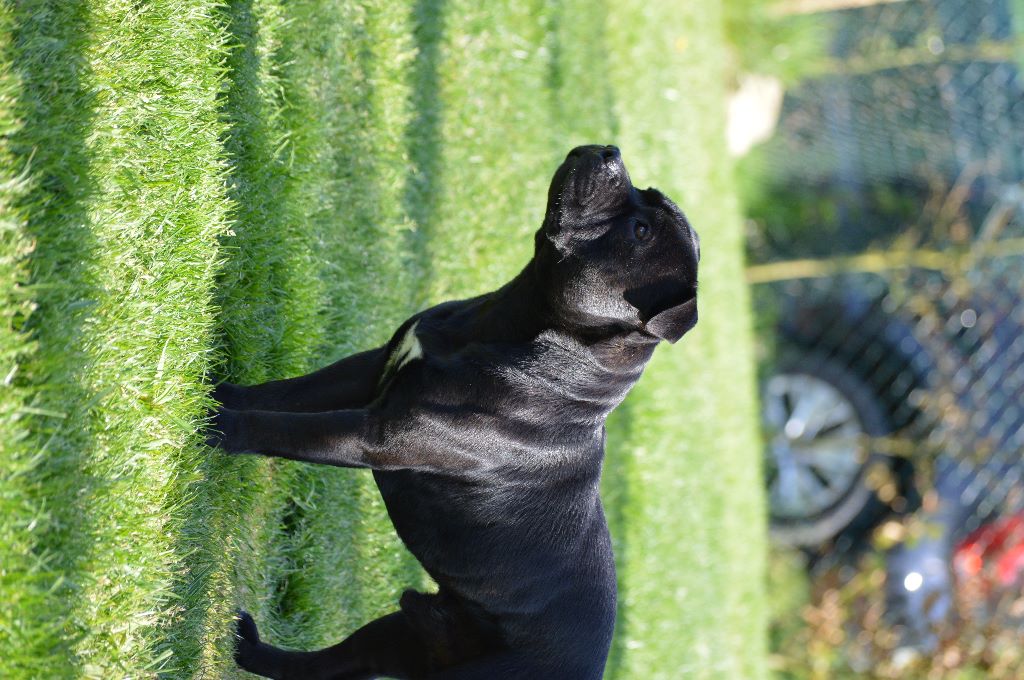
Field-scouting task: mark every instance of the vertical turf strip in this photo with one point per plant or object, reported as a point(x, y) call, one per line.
point(155, 216)
point(44, 88)
point(348, 565)
point(316, 267)
point(685, 449)
point(27, 575)
point(494, 150)
point(120, 136)
point(231, 546)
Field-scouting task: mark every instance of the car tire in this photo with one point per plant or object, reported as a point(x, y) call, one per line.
point(846, 500)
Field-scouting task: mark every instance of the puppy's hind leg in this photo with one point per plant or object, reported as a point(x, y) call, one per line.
point(388, 647)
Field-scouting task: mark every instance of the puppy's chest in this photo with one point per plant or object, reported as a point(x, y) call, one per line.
point(556, 377)
point(568, 380)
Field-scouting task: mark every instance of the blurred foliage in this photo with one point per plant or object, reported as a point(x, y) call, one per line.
point(788, 597)
point(760, 41)
point(764, 42)
point(792, 221)
point(843, 632)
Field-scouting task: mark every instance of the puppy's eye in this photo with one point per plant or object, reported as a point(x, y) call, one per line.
point(641, 231)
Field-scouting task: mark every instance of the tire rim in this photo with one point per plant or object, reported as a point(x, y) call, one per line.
point(815, 450)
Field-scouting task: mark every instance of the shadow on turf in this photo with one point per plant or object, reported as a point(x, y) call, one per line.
point(423, 138)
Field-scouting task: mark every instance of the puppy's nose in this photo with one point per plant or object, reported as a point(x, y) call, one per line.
point(606, 153)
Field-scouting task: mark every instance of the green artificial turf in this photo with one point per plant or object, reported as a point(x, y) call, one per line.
point(27, 575)
point(686, 444)
point(119, 138)
point(197, 190)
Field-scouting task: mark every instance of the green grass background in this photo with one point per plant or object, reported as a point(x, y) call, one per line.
point(194, 190)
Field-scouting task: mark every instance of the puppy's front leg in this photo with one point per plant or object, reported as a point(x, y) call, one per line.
point(341, 438)
point(349, 438)
point(345, 384)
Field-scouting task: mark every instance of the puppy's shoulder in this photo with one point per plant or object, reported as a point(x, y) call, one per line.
point(432, 333)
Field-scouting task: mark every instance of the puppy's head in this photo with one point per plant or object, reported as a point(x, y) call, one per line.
point(617, 256)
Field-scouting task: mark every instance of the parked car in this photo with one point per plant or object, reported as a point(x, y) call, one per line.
point(882, 405)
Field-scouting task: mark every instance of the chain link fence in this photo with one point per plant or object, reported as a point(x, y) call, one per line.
point(887, 257)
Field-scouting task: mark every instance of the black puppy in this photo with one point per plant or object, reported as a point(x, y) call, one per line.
point(483, 423)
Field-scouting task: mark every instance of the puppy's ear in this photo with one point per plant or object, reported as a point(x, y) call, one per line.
point(552, 227)
point(672, 323)
point(555, 232)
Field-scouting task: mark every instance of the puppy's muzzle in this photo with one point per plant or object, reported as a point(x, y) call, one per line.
point(673, 323)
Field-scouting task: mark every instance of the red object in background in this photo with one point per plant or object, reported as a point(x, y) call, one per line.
point(999, 544)
point(1010, 566)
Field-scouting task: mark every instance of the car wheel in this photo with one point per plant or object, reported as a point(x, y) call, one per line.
point(819, 418)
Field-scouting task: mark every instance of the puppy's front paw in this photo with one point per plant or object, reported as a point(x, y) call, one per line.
point(247, 639)
point(220, 429)
point(228, 395)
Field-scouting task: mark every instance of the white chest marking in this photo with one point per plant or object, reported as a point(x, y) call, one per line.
point(408, 349)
